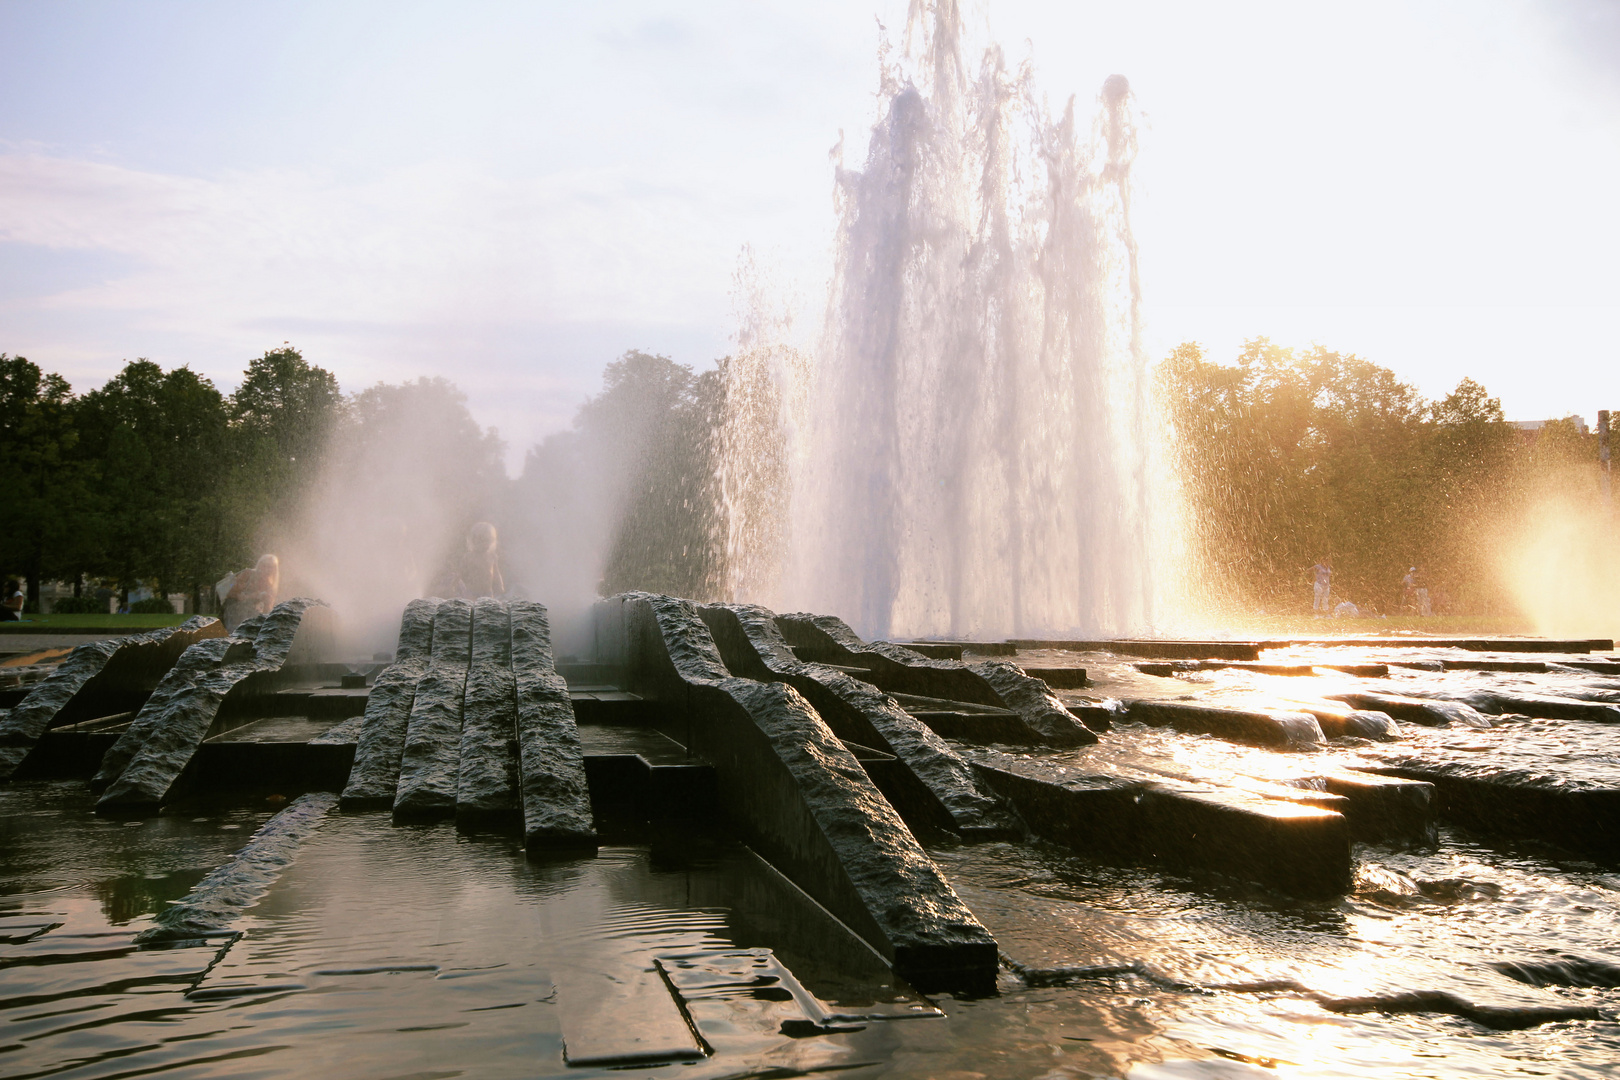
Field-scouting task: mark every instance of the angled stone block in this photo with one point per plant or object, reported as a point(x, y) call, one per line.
point(1033, 700)
point(804, 802)
point(374, 780)
point(139, 772)
point(220, 898)
point(828, 639)
point(556, 798)
point(934, 784)
point(487, 787)
point(430, 766)
point(896, 669)
point(99, 678)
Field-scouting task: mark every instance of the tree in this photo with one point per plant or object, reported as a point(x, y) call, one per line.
point(160, 443)
point(43, 480)
point(284, 413)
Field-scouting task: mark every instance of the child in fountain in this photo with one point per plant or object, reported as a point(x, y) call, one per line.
point(252, 592)
point(477, 572)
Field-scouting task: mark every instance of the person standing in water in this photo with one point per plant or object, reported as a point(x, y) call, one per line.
point(252, 592)
point(476, 571)
point(1323, 573)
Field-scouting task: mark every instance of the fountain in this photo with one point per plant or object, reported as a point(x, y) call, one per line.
point(969, 453)
point(714, 840)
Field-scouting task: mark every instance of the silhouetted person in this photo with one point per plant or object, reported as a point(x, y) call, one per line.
point(253, 592)
point(476, 571)
point(12, 604)
point(1323, 576)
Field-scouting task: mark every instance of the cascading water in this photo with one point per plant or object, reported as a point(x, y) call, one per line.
point(969, 455)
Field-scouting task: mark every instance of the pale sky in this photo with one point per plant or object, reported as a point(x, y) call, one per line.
point(510, 195)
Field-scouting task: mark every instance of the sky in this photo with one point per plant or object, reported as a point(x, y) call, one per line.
point(511, 195)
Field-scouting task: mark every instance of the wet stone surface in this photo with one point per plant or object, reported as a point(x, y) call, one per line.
point(1464, 936)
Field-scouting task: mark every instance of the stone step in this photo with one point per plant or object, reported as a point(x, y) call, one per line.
point(1506, 645)
point(1284, 843)
point(1426, 711)
point(1545, 706)
point(1059, 678)
point(1274, 728)
point(1169, 650)
point(1580, 816)
point(1388, 809)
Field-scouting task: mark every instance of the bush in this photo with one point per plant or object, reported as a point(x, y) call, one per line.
point(79, 605)
point(154, 606)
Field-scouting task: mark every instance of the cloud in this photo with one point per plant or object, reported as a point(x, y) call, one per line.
point(436, 268)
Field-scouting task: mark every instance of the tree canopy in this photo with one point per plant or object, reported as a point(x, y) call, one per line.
point(1285, 458)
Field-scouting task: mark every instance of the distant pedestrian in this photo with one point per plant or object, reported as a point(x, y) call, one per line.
point(1415, 593)
point(12, 604)
point(1322, 573)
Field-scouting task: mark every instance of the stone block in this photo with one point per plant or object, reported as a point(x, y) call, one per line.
point(1281, 729)
point(1059, 678)
point(553, 788)
point(487, 784)
point(1386, 809)
point(1093, 814)
point(1033, 700)
point(933, 785)
point(1545, 706)
point(803, 801)
point(374, 780)
point(1430, 713)
point(1298, 849)
point(98, 678)
point(896, 669)
point(828, 639)
point(219, 898)
point(142, 768)
point(430, 765)
point(1279, 840)
point(1338, 720)
point(1579, 815)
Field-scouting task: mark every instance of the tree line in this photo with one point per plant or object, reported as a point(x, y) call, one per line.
point(1281, 457)
point(159, 478)
point(1284, 458)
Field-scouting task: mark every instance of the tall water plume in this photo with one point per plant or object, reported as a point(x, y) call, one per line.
point(970, 454)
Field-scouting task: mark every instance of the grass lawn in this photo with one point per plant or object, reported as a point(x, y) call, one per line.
point(33, 624)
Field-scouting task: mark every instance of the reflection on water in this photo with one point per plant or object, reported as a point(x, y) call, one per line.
point(419, 951)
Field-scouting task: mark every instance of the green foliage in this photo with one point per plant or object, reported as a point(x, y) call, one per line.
point(154, 605)
point(82, 605)
point(161, 444)
point(43, 481)
point(659, 418)
point(1288, 458)
point(284, 413)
